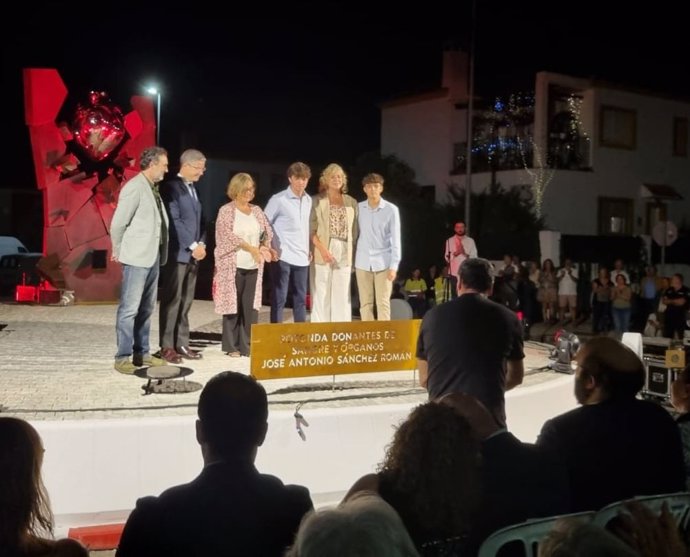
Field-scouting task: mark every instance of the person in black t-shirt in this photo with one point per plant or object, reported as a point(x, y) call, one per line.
point(677, 300)
point(472, 344)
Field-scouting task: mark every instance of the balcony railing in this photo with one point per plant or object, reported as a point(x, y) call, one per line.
point(508, 154)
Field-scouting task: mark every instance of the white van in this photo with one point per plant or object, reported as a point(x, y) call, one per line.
point(10, 244)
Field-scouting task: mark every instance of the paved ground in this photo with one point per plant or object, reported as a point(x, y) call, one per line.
point(56, 364)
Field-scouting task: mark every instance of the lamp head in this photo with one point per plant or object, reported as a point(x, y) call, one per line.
point(567, 345)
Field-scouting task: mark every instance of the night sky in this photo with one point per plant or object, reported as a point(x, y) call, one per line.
point(304, 81)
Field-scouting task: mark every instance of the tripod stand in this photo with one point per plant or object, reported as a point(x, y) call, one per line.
point(449, 288)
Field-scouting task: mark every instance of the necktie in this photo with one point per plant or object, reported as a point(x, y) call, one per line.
point(192, 191)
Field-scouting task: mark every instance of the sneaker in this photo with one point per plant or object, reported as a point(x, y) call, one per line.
point(149, 361)
point(125, 366)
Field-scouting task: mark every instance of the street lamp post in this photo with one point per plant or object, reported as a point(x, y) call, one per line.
point(155, 91)
point(470, 116)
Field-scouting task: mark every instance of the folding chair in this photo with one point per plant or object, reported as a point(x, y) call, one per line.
point(530, 533)
point(678, 505)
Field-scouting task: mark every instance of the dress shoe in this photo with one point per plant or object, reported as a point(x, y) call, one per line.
point(189, 354)
point(125, 365)
point(171, 356)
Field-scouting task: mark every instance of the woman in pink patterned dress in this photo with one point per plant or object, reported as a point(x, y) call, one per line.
point(243, 235)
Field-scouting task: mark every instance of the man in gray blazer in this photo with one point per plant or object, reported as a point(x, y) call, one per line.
point(139, 235)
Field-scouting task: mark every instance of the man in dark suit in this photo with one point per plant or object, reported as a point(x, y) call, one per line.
point(614, 446)
point(230, 509)
point(187, 248)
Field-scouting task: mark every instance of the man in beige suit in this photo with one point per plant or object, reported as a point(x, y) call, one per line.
point(139, 236)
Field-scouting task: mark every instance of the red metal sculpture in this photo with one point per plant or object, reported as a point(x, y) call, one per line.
point(80, 167)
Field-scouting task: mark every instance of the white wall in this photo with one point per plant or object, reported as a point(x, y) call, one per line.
point(100, 467)
point(423, 133)
point(420, 134)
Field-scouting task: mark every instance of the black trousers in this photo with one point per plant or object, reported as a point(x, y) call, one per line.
point(237, 327)
point(178, 282)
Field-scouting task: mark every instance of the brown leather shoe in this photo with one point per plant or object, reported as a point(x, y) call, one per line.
point(189, 354)
point(171, 356)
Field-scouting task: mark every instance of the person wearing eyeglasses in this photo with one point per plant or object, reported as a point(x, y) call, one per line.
point(186, 248)
point(243, 237)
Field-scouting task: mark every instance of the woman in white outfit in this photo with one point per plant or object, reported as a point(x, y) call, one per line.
point(334, 234)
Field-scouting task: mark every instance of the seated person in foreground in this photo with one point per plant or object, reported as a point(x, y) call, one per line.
point(615, 446)
point(637, 532)
point(230, 509)
point(26, 521)
point(519, 481)
point(680, 399)
point(363, 526)
point(430, 476)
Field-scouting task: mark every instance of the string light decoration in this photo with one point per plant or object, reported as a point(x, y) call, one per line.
point(496, 129)
point(503, 139)
point(575, 108)
point(540, 175)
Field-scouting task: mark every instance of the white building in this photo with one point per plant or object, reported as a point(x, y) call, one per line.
point(621, 156)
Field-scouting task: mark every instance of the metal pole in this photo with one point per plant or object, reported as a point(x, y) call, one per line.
point(663, 244)
point(470, 109)
point(158, 119)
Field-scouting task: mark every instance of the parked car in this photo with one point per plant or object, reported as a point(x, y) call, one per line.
point(18, 268)
point(10, 244)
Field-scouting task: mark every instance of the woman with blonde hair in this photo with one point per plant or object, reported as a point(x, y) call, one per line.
point(333, 230)
point(243, 237)
point(25, 515)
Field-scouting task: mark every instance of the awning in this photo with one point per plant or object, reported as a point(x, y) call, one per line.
point(660, 191)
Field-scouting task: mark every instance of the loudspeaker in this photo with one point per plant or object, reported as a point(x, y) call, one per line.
point(658, 378)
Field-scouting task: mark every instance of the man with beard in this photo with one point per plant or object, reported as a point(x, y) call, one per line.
point(139, 236)
point(615, 446)
point(458, 248)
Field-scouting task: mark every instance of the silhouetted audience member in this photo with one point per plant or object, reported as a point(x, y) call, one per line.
point(363, 526)
point(680, 399)
point(471, 344)
point(26, 521)
point(519, 481)
point(614, 446)
point(230, 509)
point(573, 538)
point(430, 475)
point(637, 532)
point(649, 534)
